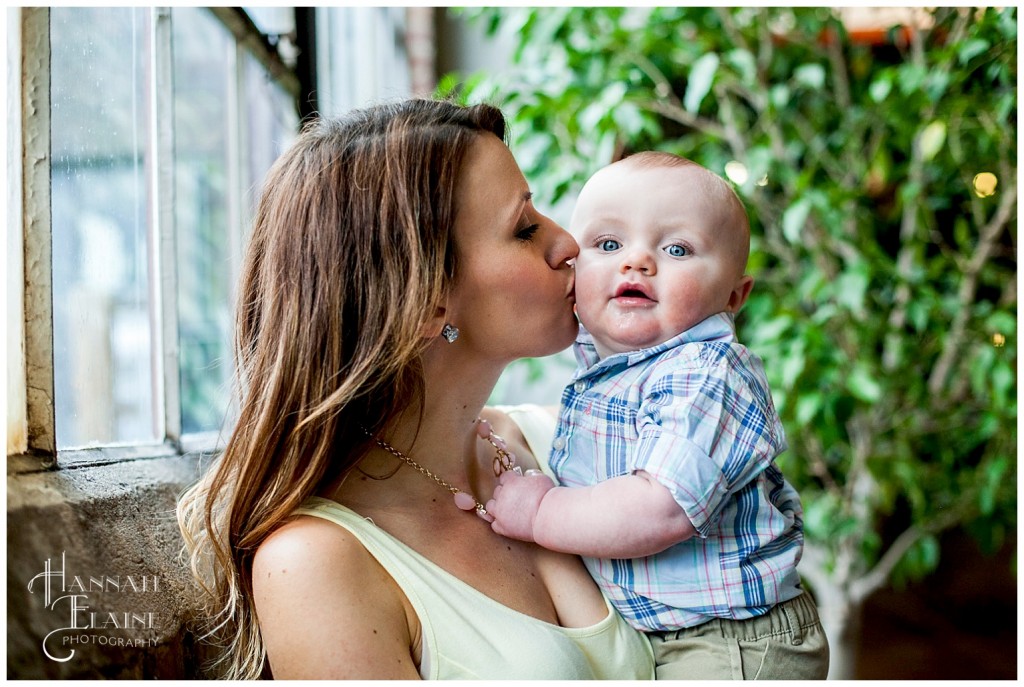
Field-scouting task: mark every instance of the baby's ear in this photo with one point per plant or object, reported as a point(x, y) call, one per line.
point(739, 294)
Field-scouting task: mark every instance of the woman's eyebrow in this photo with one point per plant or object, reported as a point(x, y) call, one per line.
point(519, 206)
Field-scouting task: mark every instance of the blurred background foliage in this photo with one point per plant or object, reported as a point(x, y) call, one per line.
point(880, 176)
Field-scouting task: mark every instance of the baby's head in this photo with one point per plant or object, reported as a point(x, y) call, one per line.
point(663, 246)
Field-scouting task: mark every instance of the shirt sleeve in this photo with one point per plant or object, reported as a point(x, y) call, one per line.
point(704, 433)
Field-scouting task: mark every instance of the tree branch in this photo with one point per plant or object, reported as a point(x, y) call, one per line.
point(968, 287)
point(860, 485)
point(678, 114)
point(662, 87)
point(730, 28)
point(838, 62)
point(819, 467)
point(863, 587)
point(739, 149)
point(812, 566)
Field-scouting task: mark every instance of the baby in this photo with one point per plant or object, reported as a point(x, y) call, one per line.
point(667, 436)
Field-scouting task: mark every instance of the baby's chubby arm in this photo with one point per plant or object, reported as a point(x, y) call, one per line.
point(630, 516)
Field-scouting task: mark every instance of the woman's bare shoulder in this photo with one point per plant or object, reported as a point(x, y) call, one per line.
point(308, 544)
point(320, 596)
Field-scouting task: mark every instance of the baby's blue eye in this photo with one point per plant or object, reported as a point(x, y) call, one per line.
point(676, 251)
point(609, 245)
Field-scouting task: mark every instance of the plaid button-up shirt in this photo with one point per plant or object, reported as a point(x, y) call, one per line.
point(696, 413)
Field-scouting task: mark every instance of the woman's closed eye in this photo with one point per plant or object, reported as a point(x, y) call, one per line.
point(526, 233)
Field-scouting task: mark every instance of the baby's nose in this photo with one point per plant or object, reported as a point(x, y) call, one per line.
point(639, 260)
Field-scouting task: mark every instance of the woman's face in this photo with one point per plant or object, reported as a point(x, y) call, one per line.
point(513, 291)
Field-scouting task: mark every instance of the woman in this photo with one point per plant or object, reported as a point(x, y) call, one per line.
point(396, 267)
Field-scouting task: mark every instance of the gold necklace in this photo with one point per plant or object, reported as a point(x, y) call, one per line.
point(503, 460)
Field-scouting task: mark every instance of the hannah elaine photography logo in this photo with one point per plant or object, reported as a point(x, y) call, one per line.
point(68, 597)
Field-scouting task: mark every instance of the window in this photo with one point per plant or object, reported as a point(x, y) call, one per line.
point(349, 35)
point(144, 136)
point(102, 306)
point(222, 148)
point(158, 126)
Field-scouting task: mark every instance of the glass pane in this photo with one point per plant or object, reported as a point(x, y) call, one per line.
point(103, 354)
point(272, 122)
point(275, 21)
point(203, 61)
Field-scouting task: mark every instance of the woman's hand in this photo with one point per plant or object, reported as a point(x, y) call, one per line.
point(516, 501)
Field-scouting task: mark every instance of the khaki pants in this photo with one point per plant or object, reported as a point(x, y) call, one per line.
point(787, 643)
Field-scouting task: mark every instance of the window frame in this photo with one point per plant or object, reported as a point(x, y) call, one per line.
point(31, 426)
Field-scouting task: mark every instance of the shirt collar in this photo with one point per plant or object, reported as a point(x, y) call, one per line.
point(719, 327)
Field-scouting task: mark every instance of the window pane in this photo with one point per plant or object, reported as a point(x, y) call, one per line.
point(275, 21)
point(103, 354)
point(272, 122)
point(203, 62)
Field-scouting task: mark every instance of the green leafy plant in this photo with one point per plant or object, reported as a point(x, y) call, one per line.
point(881, 183)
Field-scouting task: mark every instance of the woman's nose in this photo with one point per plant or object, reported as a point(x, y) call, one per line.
point(563, 247)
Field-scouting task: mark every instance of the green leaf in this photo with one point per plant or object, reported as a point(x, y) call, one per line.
point(702, 75)
point(911, 76)
point(928, 552)
point(773, 328)
point(880, 89)
point(628, 118)
point(1002, 322)
point(606, 148)
point(744, 63)
point(1008, 23)
point(810, 75)
point(779, 95)
point(446, 85)
point(932, 139)
point(863, 384)
point(917, 315)
point(909, 192)
point(843, 168)
point(794, 219)
point(971, 49)
point(1002, 381)
point(936, 84)
point(807, 407)
point(792, 365)
point(850, 290)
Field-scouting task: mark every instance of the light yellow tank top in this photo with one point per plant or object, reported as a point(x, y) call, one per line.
point(468, 635)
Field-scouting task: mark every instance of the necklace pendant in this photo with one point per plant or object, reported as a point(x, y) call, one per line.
point(464, 501)
point(505, 460)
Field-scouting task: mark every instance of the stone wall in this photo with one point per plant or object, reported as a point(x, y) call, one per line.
point(111, 540)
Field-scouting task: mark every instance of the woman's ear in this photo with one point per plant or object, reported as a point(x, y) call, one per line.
point(431, 329)
point(739, 294)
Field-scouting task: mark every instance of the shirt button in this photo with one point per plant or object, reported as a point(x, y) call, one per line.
point(559, 443)
point(580, 387)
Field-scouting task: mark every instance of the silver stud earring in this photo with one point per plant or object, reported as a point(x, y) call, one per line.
point(450, 333)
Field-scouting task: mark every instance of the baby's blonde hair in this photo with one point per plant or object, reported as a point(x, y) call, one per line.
point(718, 189)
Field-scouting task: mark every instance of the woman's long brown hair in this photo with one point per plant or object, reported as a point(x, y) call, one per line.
point(351, 251)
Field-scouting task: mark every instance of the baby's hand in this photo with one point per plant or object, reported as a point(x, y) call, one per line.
point(515, 503)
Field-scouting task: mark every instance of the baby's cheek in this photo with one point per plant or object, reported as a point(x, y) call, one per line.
point(588, 290)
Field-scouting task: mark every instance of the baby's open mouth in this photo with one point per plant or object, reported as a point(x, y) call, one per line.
point(633, 291)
